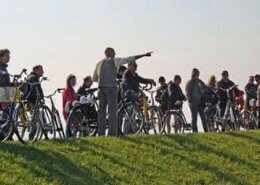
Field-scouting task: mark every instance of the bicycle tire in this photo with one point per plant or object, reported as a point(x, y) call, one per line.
point(129, 123)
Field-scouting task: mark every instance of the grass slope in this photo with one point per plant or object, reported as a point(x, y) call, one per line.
point(230, 158)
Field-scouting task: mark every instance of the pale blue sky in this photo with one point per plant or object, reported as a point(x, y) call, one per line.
point(69, 36)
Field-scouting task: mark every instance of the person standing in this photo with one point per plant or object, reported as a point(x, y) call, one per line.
point(4, 60)
point(257, 79)
point(160, 92)
point(105, 74)
point(35, 92)
point(250, 89)
point(224, 83)
point(69, 95)
point(5, 83)
point(194, 91)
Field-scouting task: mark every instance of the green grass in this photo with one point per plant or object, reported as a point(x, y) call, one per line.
point(230, 158)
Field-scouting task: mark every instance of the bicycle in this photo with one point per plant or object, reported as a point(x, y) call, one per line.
point(232, 119)
point(34, 120)
point(210, 115)
point(177, 119)
point(8, 124)
point(82, 119)
point(56, 115)
point(250, 116)
point(130, 116)
point(153, 115)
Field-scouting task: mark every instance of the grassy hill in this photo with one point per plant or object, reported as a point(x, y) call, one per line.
point(230, 158)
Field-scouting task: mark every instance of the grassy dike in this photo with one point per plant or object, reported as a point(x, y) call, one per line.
point(213, 158)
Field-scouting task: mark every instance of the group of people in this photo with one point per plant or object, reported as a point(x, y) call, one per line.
point(199, 95)
point(111, 70)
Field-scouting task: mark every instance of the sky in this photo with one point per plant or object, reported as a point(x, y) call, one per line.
point(69, 36)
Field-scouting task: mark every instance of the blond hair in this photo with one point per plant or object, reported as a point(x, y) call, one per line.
point(211, 80)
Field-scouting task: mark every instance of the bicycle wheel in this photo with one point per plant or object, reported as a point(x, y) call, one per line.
point(210, 114)
point(131, 119)
point(156, 116)
point(74, 123)
point(58, 125)
point(178, 124)
point(27, 125)
point(47, 123)
point(166, 124)
point(249, 120)
point(6, 130)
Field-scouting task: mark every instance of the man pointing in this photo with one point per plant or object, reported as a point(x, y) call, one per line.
point(105, 75)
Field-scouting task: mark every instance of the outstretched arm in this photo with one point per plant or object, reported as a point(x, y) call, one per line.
point(122, 61)
point(149, 54)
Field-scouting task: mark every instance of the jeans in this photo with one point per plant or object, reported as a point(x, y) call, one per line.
point(195, 110)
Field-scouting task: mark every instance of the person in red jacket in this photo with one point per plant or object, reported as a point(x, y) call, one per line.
point(69, 95)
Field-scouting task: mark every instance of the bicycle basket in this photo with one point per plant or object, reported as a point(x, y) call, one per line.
point(6, 94)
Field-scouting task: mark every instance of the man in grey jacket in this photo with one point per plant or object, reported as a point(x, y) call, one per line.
point(194, 91)
point(105, 75)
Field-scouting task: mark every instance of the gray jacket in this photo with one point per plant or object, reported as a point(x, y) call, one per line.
point(194, 91)
point(99, 71)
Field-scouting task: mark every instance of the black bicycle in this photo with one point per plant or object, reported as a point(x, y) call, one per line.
point(56, 115)
point(177, 120)
point(33, 121)
point(82, 119)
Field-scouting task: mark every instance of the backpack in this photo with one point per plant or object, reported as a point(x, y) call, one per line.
point(24, 88)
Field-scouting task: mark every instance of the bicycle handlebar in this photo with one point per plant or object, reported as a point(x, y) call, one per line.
point(229, 89)
point(37, 83)
point(57, 90)
point(147, 87)
point(18, 76)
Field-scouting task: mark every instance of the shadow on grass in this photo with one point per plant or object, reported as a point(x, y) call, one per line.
point(168, 148)
point(244, 136)
point(53, 166)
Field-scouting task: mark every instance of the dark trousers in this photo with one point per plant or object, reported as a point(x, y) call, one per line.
point(107, 101)
point(258, 116)
point(222, 107)
point(195, 110)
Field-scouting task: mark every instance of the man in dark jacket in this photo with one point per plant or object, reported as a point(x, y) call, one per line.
point(257, 79)
point(131, 80)
point(176, 96)
point(250, 89)
point(34, 77)
point(87, 83)
point(194, 91)
point(224, 83)
point(4, 60)
point(161, 90)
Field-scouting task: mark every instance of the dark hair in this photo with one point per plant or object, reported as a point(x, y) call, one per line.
point(35, 68)
point(224, 72)
point(87, 78)
point(257, 76)
point(69, 78)
point(177, 77)
point(4, 51)
point(122, 68)
point(162, 79)
point(108, 49)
